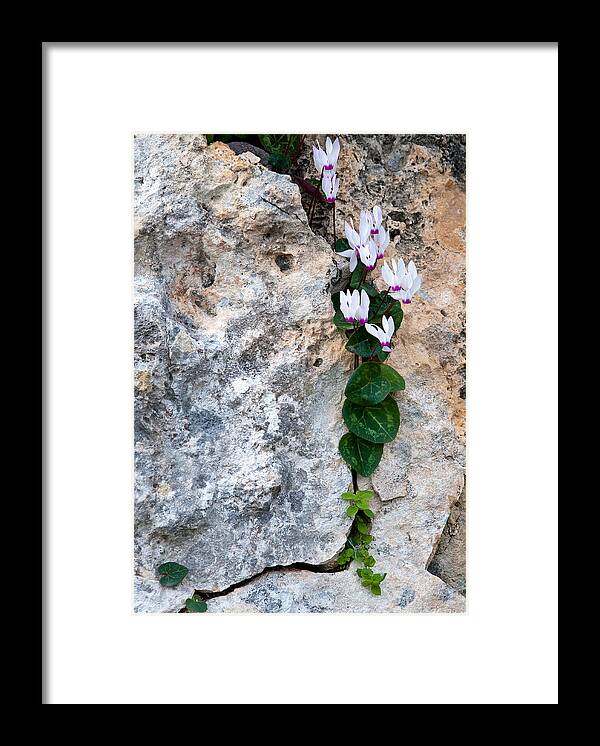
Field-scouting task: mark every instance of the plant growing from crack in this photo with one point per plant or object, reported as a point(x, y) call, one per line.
point(369, 318)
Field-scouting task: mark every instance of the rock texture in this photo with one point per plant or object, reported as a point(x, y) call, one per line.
point(406, 589)
point(238, 396)
point(238, 374)
point(449, 561)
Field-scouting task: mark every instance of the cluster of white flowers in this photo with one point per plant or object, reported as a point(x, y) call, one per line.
point(355, 306)
point(367, 245)
point(325, 163)
point(403, 283)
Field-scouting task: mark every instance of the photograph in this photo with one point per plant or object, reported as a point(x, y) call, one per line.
point(299, 373)
point(300, 389)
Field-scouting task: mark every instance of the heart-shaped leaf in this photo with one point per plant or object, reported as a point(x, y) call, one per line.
point(386, 308)
point(394, 378)
point(377, 423)
point(360, 454)
point(171, 573)
point(342, 245)
point(362, 343)
point(367, 385)
point(196, 605)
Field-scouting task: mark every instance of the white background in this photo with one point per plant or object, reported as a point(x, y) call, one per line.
point(503, 651)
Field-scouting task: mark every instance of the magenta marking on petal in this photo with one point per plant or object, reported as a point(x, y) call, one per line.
point(385, 347)
point(407, 301)
point(328, 167)
point(374, 231)
point(362, 322)
point(330, 200)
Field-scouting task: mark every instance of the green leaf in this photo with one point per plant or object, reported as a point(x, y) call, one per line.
point(366, 539)
point(361, 526)
point(377, 423)
point(364, 494)
point(377, 310)
point(370, 290)
point(395, 380)
point(375, 589)
point(362, 343)
point(279, 144)
point(367, 385)
point(352, 511)
point(359, 454)
point(172, 573)
point(369, 513)
point(397, 314)
point(357, 276)
point(345, 556)
point(369, 561)
point(365, 573)
point(379, 577)
point(196, 605)
point(348, 496)
point(342, 245)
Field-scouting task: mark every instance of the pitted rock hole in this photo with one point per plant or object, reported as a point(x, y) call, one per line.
point(284, 262)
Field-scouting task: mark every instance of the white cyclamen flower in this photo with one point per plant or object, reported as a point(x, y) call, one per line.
point(330, 185)
point(405, 282)
point(368, 255)
point(352, 255)
point(363, 308)
point(383, 335)
point(325, 160)
point(349, 303)
point(382, 241)
point(394, 277)
point(354, 306)
point(376, 218)
point(361, 242)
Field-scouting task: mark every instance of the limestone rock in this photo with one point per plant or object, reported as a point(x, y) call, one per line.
point(239, 376)
point(407, 589)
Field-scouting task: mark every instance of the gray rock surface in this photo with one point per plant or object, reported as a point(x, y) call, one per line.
point(407, 589)
point(449, 560)
point(238, 374)
point(238, 397)
point(246, 147)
